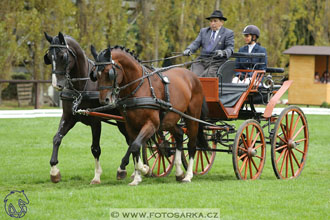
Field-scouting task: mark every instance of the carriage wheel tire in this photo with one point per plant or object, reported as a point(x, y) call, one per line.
point(289, 145)
point(249, 150)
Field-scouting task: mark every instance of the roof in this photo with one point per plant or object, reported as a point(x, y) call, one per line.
point(308, 50)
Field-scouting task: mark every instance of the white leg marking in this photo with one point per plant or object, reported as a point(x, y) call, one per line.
point(178, 163)
point(97, 173)
point(137, 178)
point(54, 170)
point(189, 174)
point(141, 167)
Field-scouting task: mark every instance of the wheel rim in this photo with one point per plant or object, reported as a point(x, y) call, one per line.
point(160, 161)
point(290, 144)
point(204, 159)
point(249, 151)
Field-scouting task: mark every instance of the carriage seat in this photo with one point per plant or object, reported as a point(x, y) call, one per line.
point(229, 93)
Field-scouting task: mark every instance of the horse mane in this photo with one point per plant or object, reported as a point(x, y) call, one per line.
point(128, 51)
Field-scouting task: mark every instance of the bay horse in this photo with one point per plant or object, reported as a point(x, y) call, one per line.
point(70, 75)
point(146, 102)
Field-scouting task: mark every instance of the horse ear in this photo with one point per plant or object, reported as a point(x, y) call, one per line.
point(61, 38)
point(92, 74)
point(48, 38)
point(94, 53)
point(46, 60)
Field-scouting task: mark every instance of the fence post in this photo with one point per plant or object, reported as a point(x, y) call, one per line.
point(36, 95)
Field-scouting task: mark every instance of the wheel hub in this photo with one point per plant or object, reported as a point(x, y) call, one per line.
point(252, 152)
point(292, 144)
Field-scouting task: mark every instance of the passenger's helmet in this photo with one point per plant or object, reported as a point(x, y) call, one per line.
point(252, 29)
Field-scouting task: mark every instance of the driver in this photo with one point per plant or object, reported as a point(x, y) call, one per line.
point(214, 40)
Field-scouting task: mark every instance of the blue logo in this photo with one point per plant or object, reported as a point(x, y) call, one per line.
point(15, 204)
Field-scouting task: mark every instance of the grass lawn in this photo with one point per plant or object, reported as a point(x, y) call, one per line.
point(26, 146)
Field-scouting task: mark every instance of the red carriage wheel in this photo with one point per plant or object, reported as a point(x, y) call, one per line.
point(204, 159)
point(289, 144)
point(249, 150)
point(160, 156)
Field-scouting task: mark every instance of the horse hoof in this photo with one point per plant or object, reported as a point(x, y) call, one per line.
point(134, 183)
point(121, 174)
point(179, 178)
point(147, 170)
point(95, 182)
point(56, 178)
point(186, 180)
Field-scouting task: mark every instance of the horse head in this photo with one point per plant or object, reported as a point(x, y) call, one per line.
point(108, 74)
point(63, 57)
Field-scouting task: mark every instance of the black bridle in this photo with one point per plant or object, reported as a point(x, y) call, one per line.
point(66, 72)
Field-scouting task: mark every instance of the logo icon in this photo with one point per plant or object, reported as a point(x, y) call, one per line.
point(15, 204)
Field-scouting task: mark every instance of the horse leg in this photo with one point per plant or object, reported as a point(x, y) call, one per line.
point(192, 132)
point(146, 132)
point(121, 171)
point(64, 127)
point(96, 151)
point(177, 133)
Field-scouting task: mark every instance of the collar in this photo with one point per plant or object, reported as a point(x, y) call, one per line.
point(250, 47)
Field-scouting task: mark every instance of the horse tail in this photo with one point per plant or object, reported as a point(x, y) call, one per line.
point(201, 141)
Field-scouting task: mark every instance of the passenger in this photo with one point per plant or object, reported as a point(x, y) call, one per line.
point(316, 77)
point(251, 34)
point(214, 40)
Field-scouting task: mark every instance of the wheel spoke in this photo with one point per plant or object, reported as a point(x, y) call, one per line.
point(168, 160)
point(300, 129)
point(152, 155)
point(197, 161)
point(158, 168)
point(244, 142)
point(287, 164)
point(251, 136)
point(283, 161)
point(243, 149)
point(291, 122)
point(244, 155)
point(245, 171)
point(295, 125)
point(304, 139)
point(286, 125)
point(244, 161)
point(250, 168)
point(255, 139)
point(207, 157)
point(282, 139)
point(154, 164)
point(202, 162)
point(282, 153)
point(299, 150)
point(284, 131)
point(294, 157)
point(291, 164)
point(163, 160)
point(247, 135)
point(258, 146)
point(255, 165)
point(279, 148)
point(259, 157)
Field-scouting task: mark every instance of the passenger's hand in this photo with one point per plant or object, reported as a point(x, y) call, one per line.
point(220, 53)
point(187, 52)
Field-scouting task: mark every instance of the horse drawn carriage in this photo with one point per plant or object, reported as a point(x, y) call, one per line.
point(287, 133)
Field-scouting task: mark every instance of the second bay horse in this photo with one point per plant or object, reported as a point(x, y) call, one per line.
point(146, 100)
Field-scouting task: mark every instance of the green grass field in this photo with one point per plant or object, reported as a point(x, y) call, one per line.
point(26, 146)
